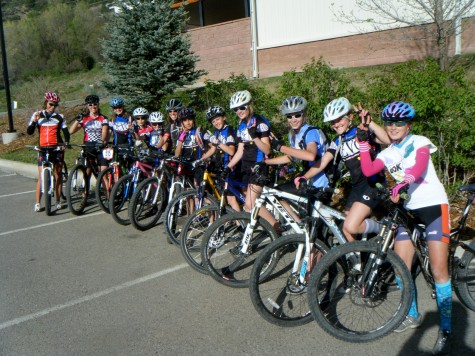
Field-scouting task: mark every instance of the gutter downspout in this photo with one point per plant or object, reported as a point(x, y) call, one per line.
point(458, 30)
point(255, 64)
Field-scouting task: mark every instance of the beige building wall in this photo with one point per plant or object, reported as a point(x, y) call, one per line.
point(225, 49)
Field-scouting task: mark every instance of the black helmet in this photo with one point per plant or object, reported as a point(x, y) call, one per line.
point(186, 113)
point(213, 112)
point(92, 99)
point(174, 104)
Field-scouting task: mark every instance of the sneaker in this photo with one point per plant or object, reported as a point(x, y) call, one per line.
point(409, 322)
point(443, 344)
point(37, 207)
point(59, 206)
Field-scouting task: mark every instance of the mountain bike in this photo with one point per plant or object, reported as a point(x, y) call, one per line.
point(106, 179)
point(78, 183)
point(281, 298)
point(197, 223)
point(48, 180)
point(125, 187)
point(186, 200)
point(151, 196)
point(364, 304)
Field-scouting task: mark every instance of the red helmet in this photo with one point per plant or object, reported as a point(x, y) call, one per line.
point(51, 97)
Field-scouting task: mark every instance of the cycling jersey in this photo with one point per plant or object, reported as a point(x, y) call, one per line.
point(155, 137)
point(172, 132)
point(93, 128)
point(144, 133)
point(349, 151)
point(251, 153)
point(49, 127)
point(191, 149)
point(397, 158)
point(225, 136)
point(120, 127)
point(300, 141)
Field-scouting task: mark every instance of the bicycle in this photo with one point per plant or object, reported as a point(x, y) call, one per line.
point(78, 183)
point(107, 178)
point(125, 187)
point(47, 178)
point(280, 298)
point(150, 197)
point(183, 203)
point(371, 290)
point(195, 226)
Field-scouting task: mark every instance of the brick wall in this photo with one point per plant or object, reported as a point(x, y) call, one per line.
point(225, 49)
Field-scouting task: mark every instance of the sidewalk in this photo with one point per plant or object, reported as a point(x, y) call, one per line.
point(23, 169)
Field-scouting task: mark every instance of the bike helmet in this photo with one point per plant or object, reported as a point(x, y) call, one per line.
point(186, 113)
point(92, 99)
point(140, 112)
point(336, 109)
point(398, 111)
point(51, 97)
point(156, 117)
point(174, 104)
point(293, 104)
point(213, 112)
point(116, 103)
point(240, 98)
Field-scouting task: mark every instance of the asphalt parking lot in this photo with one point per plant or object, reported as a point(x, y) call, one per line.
point(85, 285)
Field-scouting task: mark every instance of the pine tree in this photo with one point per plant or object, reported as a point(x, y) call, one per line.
point(148, 53)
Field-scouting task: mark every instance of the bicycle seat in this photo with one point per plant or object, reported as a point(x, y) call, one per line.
point(467, 188)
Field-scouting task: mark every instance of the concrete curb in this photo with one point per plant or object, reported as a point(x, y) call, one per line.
point(23, 169)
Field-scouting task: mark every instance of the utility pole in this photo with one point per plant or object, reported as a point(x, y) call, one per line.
point(5, 74)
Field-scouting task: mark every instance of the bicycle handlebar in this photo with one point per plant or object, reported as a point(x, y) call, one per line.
point(386, 192)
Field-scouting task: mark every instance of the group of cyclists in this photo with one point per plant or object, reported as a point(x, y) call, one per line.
point(245, 153)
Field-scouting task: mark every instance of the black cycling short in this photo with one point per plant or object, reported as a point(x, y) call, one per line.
point(364, 194)
point(94, 154)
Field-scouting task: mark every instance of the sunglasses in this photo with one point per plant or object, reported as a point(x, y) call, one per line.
point(156, 124)
point(172, 110)
point(92, 104)
point(53, 104)
point(117, 107)
point(297, 116)
point(141, 118)
point(397, 123)
point(242, 108)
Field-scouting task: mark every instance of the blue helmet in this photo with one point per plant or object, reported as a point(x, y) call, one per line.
point(398, 110)
point(116, 103)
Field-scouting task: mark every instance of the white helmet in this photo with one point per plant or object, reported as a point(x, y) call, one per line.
point(293, 104)
point(140, 112)
point(240, 98)
point(336, 109)
point(156, 117)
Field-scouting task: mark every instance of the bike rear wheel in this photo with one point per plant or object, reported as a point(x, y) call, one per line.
point(465, 279)
point(178, 211)
point(119, 199)
point(145, 207)
point(64, 174)
point(47, 191)
point(77, 189)
point(221, 248)
point(339, 299)
point(105, 182)
point(281, 298)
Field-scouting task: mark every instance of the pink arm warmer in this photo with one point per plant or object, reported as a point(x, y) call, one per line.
point(416, 171)
point(368, 166)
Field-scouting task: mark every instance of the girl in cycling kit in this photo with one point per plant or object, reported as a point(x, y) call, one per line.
point(363, 196)
point(407, 159)
point(50, 124)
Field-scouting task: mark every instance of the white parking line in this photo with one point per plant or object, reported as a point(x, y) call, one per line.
point(91, 297)
point(50, 223)
point(10, 195)
point(8, 175)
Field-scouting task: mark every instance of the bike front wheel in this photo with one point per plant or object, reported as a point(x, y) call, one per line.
point(346, 305)
point(465, 279)
point(77, 189)
point(105, 182)
point(222, 244)
point(119, 199)
point(47, 190)
point(145, 207)
point(281, 298)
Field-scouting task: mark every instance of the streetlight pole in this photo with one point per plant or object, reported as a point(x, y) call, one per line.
point(5, 73)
